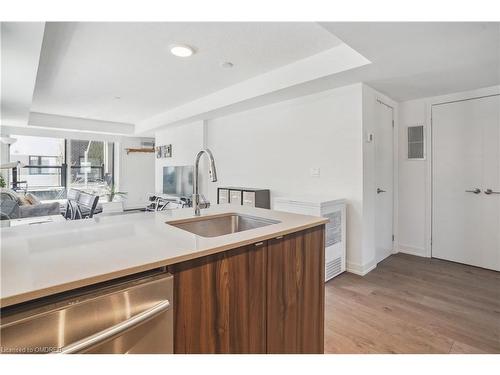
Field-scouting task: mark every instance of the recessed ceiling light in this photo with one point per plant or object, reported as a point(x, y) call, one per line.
point(181, 50)
point(226, 64)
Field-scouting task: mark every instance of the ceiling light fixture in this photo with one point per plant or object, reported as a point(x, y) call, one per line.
point(181, 50)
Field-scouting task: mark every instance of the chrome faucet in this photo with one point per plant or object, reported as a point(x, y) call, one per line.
point(211, 172)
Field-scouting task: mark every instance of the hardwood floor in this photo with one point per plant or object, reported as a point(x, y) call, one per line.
point(410, 304)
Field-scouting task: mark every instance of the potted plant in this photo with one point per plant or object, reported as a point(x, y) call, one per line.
point(114, 201)
point(112, 194)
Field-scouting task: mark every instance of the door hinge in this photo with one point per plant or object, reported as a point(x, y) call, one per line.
point(393, 238)
point(392, 123)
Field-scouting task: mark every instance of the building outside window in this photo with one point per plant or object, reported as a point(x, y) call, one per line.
point(91, 164)
point(44, 161)
point(43, 164)
point(51, 165)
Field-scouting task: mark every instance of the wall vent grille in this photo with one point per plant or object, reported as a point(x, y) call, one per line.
point(333, 268)
point(416, 142)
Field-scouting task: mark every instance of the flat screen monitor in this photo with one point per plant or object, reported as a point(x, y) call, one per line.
point(178, 180)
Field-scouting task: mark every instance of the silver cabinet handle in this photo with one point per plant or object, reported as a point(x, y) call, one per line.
point(379, 190)
point(259, 244)
point(489, 191)
point(115, 330)
point(475, 191)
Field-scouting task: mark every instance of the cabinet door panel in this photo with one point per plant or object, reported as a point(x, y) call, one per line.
point(219, 303)
point(295, 292)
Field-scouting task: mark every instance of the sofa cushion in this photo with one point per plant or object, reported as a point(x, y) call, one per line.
point(9, 209)
point(42, 209)
point(12, 208)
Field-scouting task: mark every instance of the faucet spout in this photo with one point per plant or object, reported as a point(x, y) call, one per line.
point(212, 172)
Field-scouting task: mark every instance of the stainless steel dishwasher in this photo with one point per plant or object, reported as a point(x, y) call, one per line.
point(132, 315)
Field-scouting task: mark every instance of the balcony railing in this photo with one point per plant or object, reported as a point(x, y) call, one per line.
point(51, 182)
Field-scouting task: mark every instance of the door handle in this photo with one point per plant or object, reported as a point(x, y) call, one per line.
point(116, 329)
point(475, 191)
point(379, 190)
point(489, 191)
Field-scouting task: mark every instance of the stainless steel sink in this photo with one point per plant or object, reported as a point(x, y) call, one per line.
point(214, 226)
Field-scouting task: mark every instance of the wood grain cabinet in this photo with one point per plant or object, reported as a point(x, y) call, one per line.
point(266, 297)
point(295, 292)
point(218, 304)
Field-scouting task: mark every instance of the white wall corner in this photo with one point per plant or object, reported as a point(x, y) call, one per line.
point(360, 269)
point(417, 251)
point(395, 247)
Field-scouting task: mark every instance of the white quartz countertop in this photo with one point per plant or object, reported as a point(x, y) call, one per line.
point(45, 259)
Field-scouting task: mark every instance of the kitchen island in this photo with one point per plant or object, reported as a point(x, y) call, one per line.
point(254, 291)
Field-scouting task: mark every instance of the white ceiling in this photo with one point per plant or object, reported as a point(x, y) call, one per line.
point(21, 43)
point(84, 67)
point(407, 61)
point(419, 59)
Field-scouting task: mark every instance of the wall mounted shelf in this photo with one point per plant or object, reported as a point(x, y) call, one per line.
point(143, 150)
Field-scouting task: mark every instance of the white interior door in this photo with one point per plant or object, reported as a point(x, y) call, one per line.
point(384, 180)
point(466, 162)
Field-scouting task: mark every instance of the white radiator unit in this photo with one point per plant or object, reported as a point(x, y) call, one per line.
point(335, 231)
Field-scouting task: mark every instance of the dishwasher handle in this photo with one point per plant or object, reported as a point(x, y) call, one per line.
point(115, 330)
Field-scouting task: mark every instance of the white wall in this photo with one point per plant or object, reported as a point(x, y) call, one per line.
point(415, 175)
point(276, 146)
point(136, 173)
point(186, 141)
point(412, 182)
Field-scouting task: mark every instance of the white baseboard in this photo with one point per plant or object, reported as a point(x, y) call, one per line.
point(418, 251)
point(395, 249)
point(359, 269)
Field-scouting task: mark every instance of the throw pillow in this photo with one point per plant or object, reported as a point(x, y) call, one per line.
point(32, 199)
point(23, 201)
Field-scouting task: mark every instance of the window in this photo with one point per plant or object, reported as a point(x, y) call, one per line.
point(43, 161)
point(43, 171)
point(416, 145)
point(91, 164)
point(50, 165)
